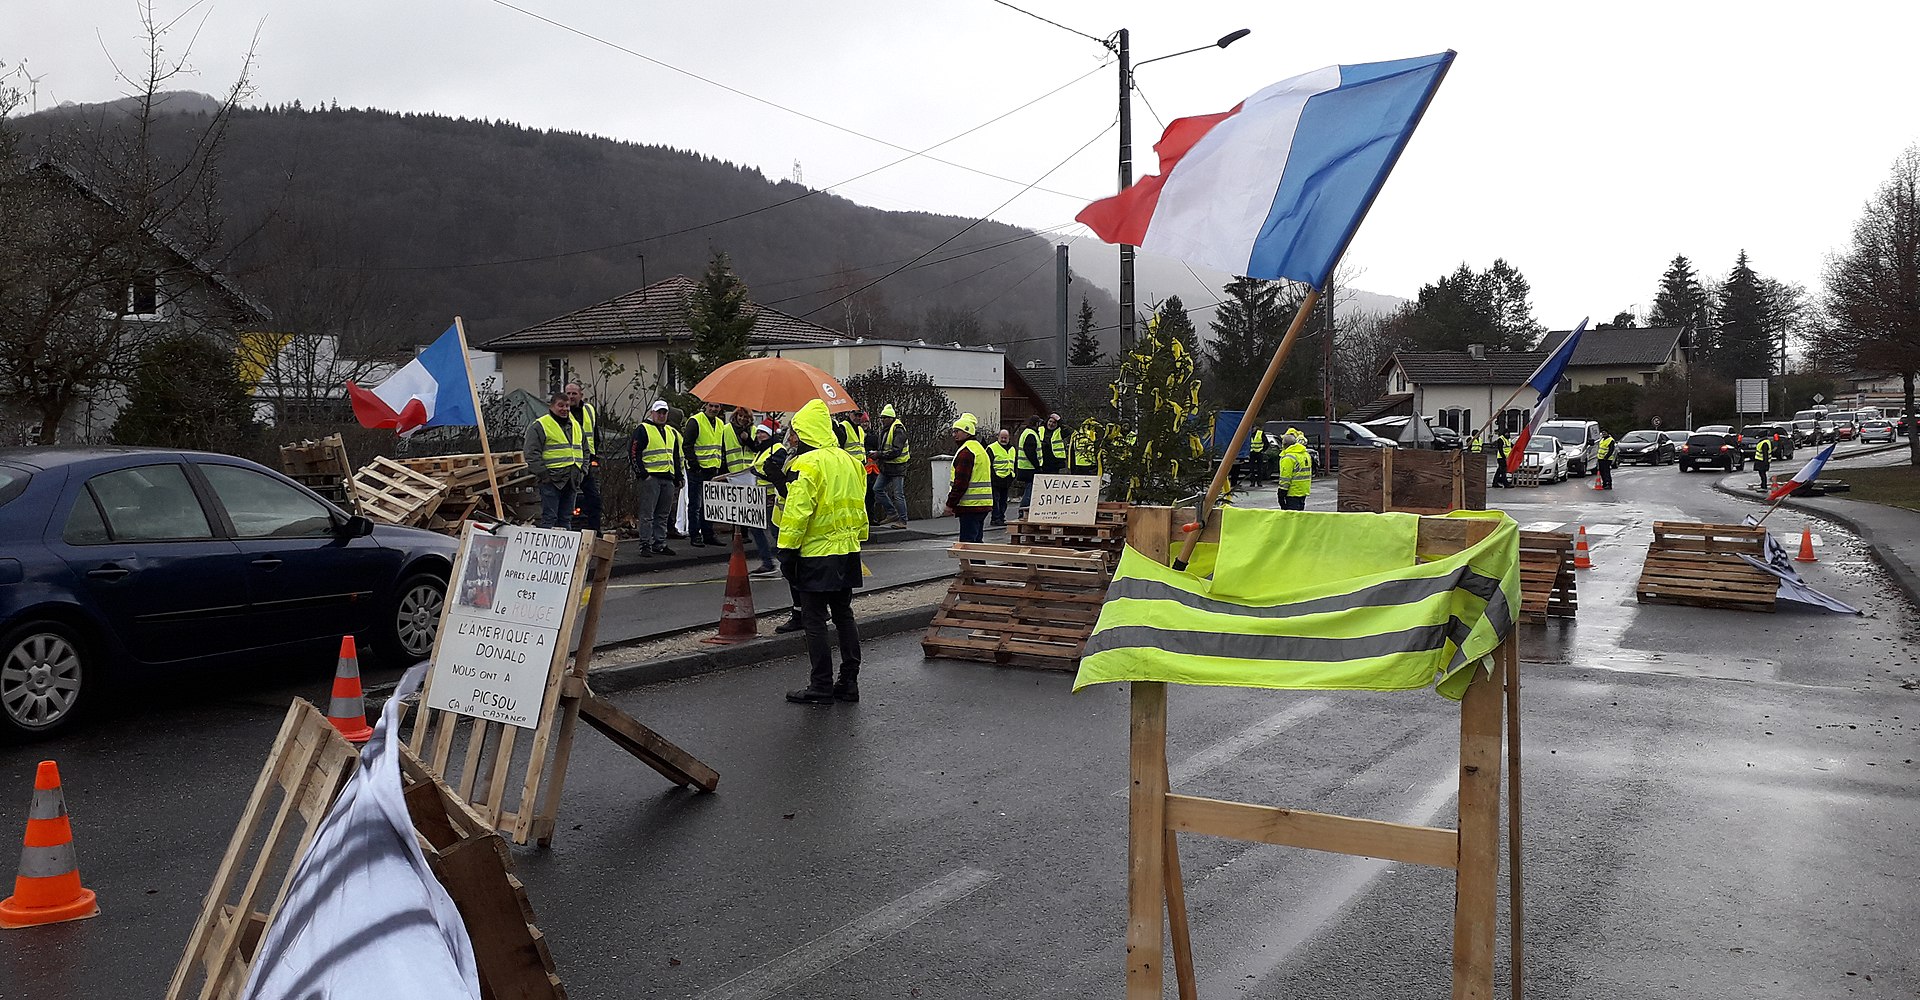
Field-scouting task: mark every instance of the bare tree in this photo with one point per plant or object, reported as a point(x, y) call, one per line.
point(110, 240)
point(1873, 288)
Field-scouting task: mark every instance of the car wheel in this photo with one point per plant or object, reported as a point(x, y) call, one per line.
point(1684, 467)
point(416, 616)
point(43, 670)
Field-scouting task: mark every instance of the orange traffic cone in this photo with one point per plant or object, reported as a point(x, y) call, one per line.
point(737, 622)
point(348, 709)
point(1596, 482)
point(48, 890)
point(1580, 558)
point(1806, 546)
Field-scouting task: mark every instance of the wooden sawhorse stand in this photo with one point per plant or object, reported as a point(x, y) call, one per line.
point(1156, 815)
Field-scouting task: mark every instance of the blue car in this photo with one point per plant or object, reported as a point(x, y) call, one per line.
point(139, 559)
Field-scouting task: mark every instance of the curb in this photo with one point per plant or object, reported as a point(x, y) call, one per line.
point(629, 676)
point(1904, 576)
point(759, 616)
point(697, 556)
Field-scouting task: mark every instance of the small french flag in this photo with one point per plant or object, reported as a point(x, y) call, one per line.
point(433, 390)
point(1806, 474)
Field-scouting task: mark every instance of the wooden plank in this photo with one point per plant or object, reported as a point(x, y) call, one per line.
point(1509, 658)
point(1177, 928)
point(1147, 841)
point(1476, 882)
point(679, 766)
point(1367, 838)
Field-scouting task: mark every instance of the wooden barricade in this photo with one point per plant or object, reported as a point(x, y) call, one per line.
point(1376, 480)
point(1700, 564)
point(389, 492)
point(518, 791)
point(1547, 580)
point(1018, 604)
point(320, 466)
point(1107, 534)
point(1156, 814)
point(309, 763)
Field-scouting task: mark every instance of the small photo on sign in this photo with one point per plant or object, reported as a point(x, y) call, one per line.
point(480, 578)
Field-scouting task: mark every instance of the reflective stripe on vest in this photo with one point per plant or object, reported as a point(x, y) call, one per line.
point(1763, 450)
point(739, 453)
point(1296, 471)
point(561, 450)
point(1506, 446)
point(584, 420)
point(709, 444)
point(662, 442)
point(1056, 443)
point(1003, 460)
point(770, 469)
point(979, 479)
point(852, 439)
point(1020, 462)
point(1085, 455)
point(1605, 451)
point(897, 437)
point(1366, 617)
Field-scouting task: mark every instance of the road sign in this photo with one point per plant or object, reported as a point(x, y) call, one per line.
point(1065, 499)
point(1819, 398)
point(502, 623)
point(734, 503)
point(1750, 395)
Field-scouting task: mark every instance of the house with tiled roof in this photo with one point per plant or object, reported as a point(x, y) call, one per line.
point(1623, 357)
point(1458, 389)
point(635, 332)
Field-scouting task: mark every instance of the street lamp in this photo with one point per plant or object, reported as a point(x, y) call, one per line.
point(1119, 47)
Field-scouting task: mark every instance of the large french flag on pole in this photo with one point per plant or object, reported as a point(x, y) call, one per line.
point(1276, 187)
point(433, 390)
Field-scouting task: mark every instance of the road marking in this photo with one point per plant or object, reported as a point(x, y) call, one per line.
point(1246, 739)
point(1543, 526)
point(1604, 529)
point(852, 938)
point(675, 583)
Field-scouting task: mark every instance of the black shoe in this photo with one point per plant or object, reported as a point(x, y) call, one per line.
point(646, 552)
point(697, 543)
point(846, 692)
point(766, 571)
point(809, 696)
point(711, 540)
point(790, 625)
point(664, 551)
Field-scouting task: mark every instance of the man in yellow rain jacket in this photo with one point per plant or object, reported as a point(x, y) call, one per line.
point(821, 529)
point(1296, 471)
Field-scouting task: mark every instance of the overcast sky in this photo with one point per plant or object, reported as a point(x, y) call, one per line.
point(1587, 144)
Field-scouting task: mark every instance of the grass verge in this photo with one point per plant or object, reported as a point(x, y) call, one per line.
point(1893, 485)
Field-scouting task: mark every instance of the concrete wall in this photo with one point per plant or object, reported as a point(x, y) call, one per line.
point(1479, 399)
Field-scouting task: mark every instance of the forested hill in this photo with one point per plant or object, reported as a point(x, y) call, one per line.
point(359, 195)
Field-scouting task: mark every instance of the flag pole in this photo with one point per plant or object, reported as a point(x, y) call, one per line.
point(1245, 430)
point(480, 418)
point(1502, 408)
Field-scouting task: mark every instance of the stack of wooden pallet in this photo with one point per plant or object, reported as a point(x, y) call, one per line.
point(467, 488)
point(320, 466)
point(1547, 588)
point(1106, 535)
point(1019, 604)
point(1700, 564)
point(391, 493)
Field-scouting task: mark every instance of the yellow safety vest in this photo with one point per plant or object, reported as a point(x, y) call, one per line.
point(1307, 600)
point(854, 441)
point(1056, 442)
point(897, 437)
point(770, 469)
point(1506, 446)
point(562, 450)
point(1085, 456)
point(826, 508)
point(738, 455)
point(1021, 462)
point(1296, 471)
point(584, 419)
point(709, 442)
point(1258, 443)
point(662, 442)
point(1476, 447)
point(1605, 451)
point(1003, 460)
point(980, 480)
point(1763, 450)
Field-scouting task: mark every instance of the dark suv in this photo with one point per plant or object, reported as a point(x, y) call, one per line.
point(1708, 449)
point(1782, 435)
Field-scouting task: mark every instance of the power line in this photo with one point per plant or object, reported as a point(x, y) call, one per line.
point(963, 231)
point(1057, 24)
point(1039, 233)
point(758, 99)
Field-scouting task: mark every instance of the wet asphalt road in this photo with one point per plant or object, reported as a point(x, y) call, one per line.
point(1718, 804)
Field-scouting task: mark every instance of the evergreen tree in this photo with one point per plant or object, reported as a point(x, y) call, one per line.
point(186, 393)
point(719, 316)
point(1246, 329)
point(1085, 351)
point(1470, 307)
point(1743, 346)
point(1683, 301)
point(1174, 322)
point(1507, 292)
point(1622, 320)
point(1155, 448)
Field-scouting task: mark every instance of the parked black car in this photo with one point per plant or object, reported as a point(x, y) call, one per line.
point(1782, 435)
point(121, 559)
point(1709, 450)
point(1646, 448)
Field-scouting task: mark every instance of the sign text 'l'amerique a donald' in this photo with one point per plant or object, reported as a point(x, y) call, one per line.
point(502, 624)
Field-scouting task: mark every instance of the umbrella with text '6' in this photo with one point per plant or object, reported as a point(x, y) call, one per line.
point(775, 385)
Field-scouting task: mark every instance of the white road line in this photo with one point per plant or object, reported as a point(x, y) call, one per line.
point(1604, 529)
point(1241, 742)
point(1543, 526)
point(850, 939)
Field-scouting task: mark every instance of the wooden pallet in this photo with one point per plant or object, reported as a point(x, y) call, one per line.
point(1700, 565)
point(320, 466)
point(1028, 605)
point(391, 493)
point(468, 492)
point(1376, 480)
point(1107, 535)
point(1547, 581)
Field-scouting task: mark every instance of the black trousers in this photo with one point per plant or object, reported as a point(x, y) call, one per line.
point(1605, 467)
point(815, 607)
point(1000, 489)
point(1292, 503)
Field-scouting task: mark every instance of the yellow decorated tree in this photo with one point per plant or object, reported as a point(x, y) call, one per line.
point(1154, 446)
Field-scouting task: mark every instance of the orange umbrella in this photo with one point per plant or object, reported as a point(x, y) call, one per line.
point(777, 385)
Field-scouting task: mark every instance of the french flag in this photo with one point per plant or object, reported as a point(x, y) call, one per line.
point(1542, 409)
point(1807, 474)
point(1275, 187)
point(433, 390)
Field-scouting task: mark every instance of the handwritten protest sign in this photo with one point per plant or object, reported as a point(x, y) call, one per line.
point(727, 502)
point(502, 623)
point(1064, 499)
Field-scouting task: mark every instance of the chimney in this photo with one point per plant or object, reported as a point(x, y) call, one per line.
point(1477, 352)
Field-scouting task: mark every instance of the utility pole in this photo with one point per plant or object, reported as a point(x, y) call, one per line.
point(1326, 380)
point(1126, 181)
point(1061, 278)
